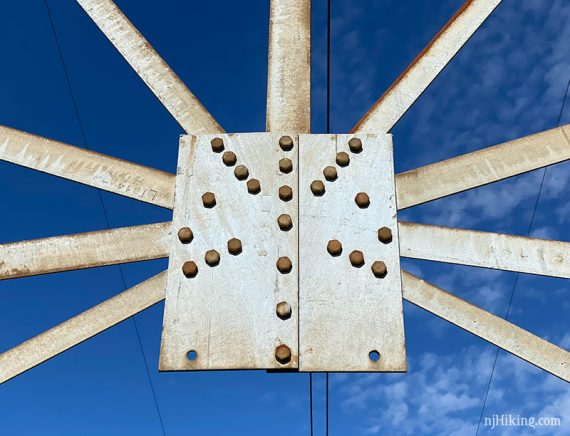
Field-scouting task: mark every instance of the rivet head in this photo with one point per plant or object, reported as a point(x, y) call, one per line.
point(212, 257)
point(362, 200)
point(318, 188)
point(253, 186)
point(285, 222)
point(229, 158)
point(379, 269)
point(334, 247)
point(342, 159)
point(241, 172)
point(283, 354)
point(355, 145)
point(284, 265)
point(286, 143)
point(209, 200)
point(185, 235)
point(283, 310)
point(190, 269)
point(286, 165)
point(356, 258)
point(385, 235)
point(285, 193)
point(330, 174)
point(217, 145)
point(234, 246)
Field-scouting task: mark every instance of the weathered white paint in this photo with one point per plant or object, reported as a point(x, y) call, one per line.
point(481, 167)
point(84, 250)
point(487, 326)
point(346, 312)
point(426, 67)
point(289, 70)
point(151, 68)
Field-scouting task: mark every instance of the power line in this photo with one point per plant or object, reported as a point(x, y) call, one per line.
point(328, 131)
point(311, 400)
point(517, 274)
point(100, 196)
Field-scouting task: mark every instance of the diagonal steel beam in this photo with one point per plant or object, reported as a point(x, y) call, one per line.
point(87, 167)
point(487, 326)
point(150, 67)
point(81, 327)
point(407, 88)
point(487, 250)
point(289, 71)
point(84, 250)
point(481, 167)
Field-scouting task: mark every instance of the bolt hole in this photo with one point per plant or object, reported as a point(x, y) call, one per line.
point(374, 356)
point(192, 355)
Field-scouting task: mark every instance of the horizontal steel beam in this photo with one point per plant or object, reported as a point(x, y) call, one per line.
point(81, 327)
point(481, 167)
point(289, 70)
point(84, 250)
point(87, 167)
point(426, 67)
point(151, 68)
point(487, 326)
point(487, 250)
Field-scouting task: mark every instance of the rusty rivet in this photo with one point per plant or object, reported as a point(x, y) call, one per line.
point(217, 145)
point(355, 145)
point(253, 186)
point(379, 269)
point(229, 158)
point(362, 200)
point(285, 193)
point(283, 310)
point(212, 257)
point(385, 235)
point(283, 354)
point(342, 159)
point(234, 246)
point(209, 200)
point(334, 247)
point(318, 188)
point(185, 235)
point(284, 265)
point(285, 165)
point(190, 269)
point(285, 222)
point(330, 174)
point(286, 143)
point(241, 172)
point(356, 258)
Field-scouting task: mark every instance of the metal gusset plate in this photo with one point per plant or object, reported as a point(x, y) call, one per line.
point(233, 274)
point(350, 295)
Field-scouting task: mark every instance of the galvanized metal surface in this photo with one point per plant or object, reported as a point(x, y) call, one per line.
point(227, 312)
point(151, 68)
point(426, 67)
point(84, 250)
point(289, 70)
point(81, 327)
point(487, 326)
point(488, 250)
point(481, 167)
point(87, 167)
point(345, 311)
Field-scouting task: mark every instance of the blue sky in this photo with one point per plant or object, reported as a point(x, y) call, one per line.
point(507, 82)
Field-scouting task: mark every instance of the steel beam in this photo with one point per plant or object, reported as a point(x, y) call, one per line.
point(487, 326)
point(426, 67)
point(87, 167)
point(150, 67)
point(289, 71)
point(481, 167)
point(81, 327)
point(84, 250)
